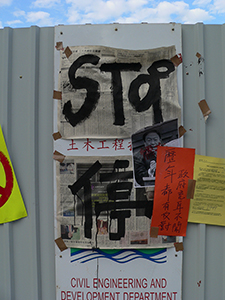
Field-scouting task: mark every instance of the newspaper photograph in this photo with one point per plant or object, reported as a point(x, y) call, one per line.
point(98, 206)
point(145, 143)
point(112, 93)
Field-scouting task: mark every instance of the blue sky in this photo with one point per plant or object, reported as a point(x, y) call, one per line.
point(25, 13)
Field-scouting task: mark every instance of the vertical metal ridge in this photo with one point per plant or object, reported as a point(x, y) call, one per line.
point(201, 149)
point(199, 39)
point(223, 88)
point(6, 80)
point(6, 126)
point(34, 36)
point(46, 203)
point(223, 67)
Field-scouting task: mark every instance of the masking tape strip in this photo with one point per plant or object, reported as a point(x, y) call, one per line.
point(60, 243)
point(204, 108)
point(182, 131)
point(191, 188)
point(59, 46)
point(177, 60)
point(68, 52)
point(57, 95)
point(58, 156)
point(57, 135)
point(179, 246)
point(154, 232)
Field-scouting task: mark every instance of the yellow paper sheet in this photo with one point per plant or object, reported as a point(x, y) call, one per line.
point(11, 203)
point(208, 204)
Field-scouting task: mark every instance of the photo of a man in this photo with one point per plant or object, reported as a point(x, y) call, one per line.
point(144, 144)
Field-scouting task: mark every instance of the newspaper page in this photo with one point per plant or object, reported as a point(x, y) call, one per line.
point(112, 93)
point(98, 207)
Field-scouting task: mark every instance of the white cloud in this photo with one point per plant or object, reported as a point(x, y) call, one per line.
point(218, 6)
point(134, 4)
point(133, 11)
point(122, 11)
point(5, 2)
point(85, 11)
point(166, 12)
point(45, 3)
point(214, 6)
point(201, 2)
point(19, 13)
point(196, 15)
point(1, 25)
point(88, 11)
point(10, 23)
point(81, 4)
point(40, 18)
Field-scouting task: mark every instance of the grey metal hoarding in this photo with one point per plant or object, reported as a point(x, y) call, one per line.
point(27, 252)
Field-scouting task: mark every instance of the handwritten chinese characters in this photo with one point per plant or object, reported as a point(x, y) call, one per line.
point(171, 206)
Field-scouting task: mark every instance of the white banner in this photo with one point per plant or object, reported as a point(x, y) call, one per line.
point(153, 274)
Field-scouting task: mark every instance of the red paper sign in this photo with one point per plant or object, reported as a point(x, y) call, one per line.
point(171, 206)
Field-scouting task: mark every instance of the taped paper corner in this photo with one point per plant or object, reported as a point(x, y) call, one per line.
point(182, 131)
point(59, 46)
point(179, 246)
point(68, 52)
point(57, 95)
point(60, 243)
point(58, 156)
point(177, 60)
point(191, 188)
point(57, 136)
point(154, 232)
point(204, 108)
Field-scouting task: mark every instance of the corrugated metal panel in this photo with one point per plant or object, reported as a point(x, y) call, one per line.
point(204, 245)
point(26, 85)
